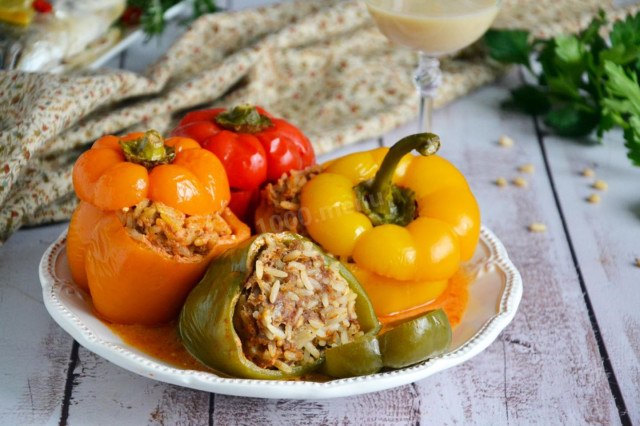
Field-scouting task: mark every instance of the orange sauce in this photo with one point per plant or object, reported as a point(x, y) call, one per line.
point(453, 301)
point(163, 342)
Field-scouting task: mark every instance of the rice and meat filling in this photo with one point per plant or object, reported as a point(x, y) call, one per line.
point(294, 305)
point(173, 231)
point(284, 197)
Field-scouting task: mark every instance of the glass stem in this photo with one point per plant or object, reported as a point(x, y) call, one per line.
point(427, 78)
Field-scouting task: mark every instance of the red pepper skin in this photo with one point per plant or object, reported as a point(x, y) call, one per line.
point(132, 15)
point(198, 130)
point(243, 157)
point(251, 155)
point(42, 6)
point(200, 115)
point(287, 149)
point(243, 203)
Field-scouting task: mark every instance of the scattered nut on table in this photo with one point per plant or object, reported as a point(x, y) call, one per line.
point(537, 227)
point(501, 181)
point(587, 172)
point(638, 262)
point(505, 141)
point(594, 198)
point(527, 168)
point(520, 181)
point(600, 184)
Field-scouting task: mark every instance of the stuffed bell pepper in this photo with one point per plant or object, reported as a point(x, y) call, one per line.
point(254, 148)
point(270, 307)
point(402, 223)
point(152, 215)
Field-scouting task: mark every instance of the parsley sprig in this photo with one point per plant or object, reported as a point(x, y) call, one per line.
point(150, 13)
point(584, 84)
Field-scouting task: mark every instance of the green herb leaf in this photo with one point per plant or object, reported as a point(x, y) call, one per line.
point(585, 83)
point(569, 50)
point(531, 100)
point(623, 90)
point(625, 42)
point(152, 20)
point(632, 140)
point(509, 46)
point(571, 121)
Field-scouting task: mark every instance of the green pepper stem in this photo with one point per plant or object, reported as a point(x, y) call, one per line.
point(425, 143)
point(148, 151)
point(382, 186)
point(243, 119)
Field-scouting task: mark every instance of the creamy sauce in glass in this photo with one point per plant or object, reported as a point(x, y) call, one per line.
point(434, 27)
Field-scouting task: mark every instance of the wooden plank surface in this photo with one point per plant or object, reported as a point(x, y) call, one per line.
point(34, 350)
point(605, 238)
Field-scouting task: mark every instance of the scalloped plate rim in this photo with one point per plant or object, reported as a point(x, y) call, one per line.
point(120, 354)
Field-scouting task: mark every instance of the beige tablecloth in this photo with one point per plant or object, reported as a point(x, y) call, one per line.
point(321, 64)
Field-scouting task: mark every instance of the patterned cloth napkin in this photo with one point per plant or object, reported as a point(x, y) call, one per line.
point(320, 64)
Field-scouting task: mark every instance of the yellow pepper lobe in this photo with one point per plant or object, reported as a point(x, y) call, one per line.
point(460, 210)
point(330, 213)
point(387, 250)
point(389, 296)
point(425, 175)
point(437, 248)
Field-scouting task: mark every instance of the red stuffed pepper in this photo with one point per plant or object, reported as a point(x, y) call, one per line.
point(254, 148)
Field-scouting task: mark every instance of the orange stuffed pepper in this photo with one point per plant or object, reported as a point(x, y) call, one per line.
point(153, 213)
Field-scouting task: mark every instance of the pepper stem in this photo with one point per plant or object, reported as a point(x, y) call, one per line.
point(381, 200)
point(149, 150)
point(243, 119)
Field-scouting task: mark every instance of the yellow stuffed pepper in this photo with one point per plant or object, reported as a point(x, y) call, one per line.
point(403, 222)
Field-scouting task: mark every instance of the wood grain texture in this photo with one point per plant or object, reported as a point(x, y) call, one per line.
point(606, 241)
point(34, 351)
point(116, 396)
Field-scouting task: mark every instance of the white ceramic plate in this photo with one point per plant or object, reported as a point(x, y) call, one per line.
point(493, 300)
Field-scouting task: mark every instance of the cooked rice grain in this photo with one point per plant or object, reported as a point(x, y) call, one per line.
point(309, 307)
point(172, 231)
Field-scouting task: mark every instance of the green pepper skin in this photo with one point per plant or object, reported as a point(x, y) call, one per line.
point(206, 320)
point(416, 340)
point(357, 358)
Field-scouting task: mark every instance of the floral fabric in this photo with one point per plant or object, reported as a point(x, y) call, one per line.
point(320, 64)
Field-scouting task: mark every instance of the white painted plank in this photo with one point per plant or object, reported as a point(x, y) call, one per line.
point(606, 239)
point(34, 351)
point(114, 396)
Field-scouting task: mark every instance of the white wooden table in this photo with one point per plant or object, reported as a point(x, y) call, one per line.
point(571, 356)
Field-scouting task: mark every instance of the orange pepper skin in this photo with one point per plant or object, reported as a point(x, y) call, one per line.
point(209, 170)
point(88, 169)
point(139, 285)
point(194, 182)
point(83, 222)
point(129, 281)
point(121, 184)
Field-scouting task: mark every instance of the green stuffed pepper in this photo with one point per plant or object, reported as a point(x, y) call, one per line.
point(270, 307)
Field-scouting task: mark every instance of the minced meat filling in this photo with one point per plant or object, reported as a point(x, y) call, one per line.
point(293, 306)
point(284, 197)
point(172, 231)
